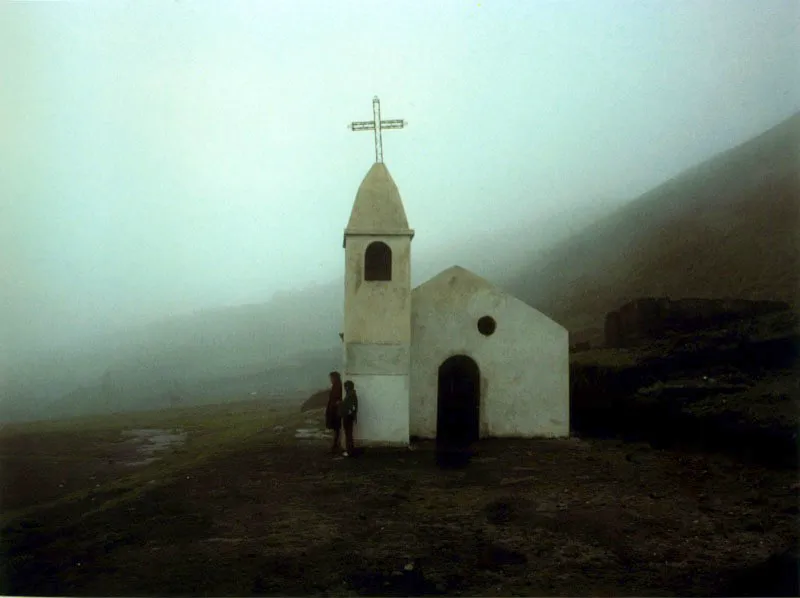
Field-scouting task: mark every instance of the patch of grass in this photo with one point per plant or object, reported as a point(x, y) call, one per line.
point(212, 432)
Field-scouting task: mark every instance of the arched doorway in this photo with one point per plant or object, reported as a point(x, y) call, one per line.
point(458, 404)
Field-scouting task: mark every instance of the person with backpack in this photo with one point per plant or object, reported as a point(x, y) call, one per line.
point(349, 413)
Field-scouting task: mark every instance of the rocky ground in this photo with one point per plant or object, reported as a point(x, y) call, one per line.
point(734, 389)
point(278, 515)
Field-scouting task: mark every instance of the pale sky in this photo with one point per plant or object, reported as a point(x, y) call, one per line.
point(161, 157)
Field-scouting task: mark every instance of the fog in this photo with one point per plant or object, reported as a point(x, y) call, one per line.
point(160, 158)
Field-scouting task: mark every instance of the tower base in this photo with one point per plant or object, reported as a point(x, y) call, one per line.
point(383, 403)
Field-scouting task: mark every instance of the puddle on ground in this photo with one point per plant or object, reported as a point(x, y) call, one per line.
point(149, 441)
point(311, 434)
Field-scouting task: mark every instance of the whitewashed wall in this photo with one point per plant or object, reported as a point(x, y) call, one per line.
point(524, 365)
point(377, 311)
point(382, 409)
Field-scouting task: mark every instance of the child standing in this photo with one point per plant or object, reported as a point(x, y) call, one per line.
point(349, 412)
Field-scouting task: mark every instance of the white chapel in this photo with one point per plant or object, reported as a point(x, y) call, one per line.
point(455, 357)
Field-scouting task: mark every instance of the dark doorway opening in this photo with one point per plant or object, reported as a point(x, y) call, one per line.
point(458, 404)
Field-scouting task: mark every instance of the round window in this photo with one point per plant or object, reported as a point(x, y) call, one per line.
point(487, 325)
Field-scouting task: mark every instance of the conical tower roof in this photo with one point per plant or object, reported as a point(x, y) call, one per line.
point(378, 208)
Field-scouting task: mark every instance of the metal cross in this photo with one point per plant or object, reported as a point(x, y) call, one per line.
point(377, 125)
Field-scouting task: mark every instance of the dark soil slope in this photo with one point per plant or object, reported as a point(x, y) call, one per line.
point(728, 228)
point(316, 401)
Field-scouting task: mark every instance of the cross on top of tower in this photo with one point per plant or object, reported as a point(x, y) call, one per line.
point(377, 125)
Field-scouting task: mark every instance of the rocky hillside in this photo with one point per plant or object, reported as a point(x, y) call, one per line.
point(732, 386)
point(727, 228)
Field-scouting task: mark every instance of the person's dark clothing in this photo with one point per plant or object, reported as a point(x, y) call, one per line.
point(347, 422)
point(349, 405)
point(349, 412)
point(333, 421)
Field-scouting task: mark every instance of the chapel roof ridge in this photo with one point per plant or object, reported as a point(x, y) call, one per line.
point(458, 272)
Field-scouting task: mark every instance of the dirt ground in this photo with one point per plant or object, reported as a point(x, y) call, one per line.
point(278, 515)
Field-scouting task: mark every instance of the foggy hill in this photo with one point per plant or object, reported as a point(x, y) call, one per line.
point(125, 391)
point(725, 228)
point(287, 342)
point(186, 351)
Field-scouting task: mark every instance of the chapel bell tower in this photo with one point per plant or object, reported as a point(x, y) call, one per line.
point(377, 308)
